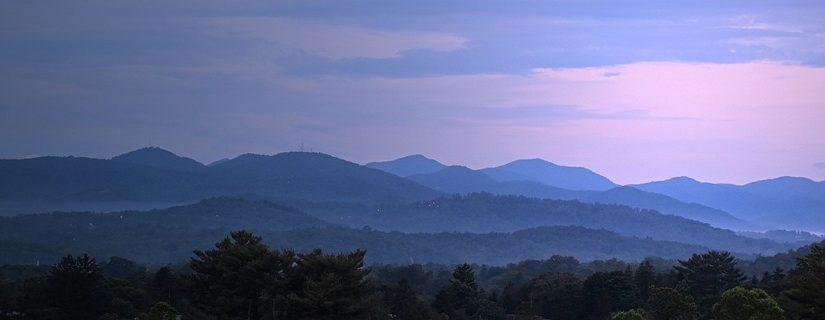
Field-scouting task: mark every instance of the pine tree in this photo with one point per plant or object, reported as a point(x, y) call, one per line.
point(229, 281)
point(608, 292)
point(708, 275)
point(460, 298)
point(76, 287)
point(331, 286)
point(808, 290)
point(404, 300)
point(644, 277)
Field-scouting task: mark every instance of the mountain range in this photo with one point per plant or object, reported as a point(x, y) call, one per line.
point(136, 179)
point(169, 235)
point(462, 180)
point(153, 174)
point(417, 207)
point(785, 202)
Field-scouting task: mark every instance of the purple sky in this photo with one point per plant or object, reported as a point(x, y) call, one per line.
point(635, 90)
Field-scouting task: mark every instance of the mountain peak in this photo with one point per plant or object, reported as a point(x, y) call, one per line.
point(682, 179)
point(408, 165)
point(158, 157)
point(147, 151)
point(533, 161)
point(546, 172)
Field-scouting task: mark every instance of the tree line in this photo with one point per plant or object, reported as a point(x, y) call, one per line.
point(241, 278)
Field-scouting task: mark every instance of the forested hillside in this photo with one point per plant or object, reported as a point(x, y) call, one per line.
point(484, 212)
point(169, 236)
point(242, 278)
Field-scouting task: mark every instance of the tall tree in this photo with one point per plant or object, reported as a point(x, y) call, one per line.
point(808, 290)
point(743, 304)
point(553, 296)
point(331, 286)
point(229, 281)
point(73, 289)
point(709, 274)
point(404, 300)
point(644, 277)
point(459, 299)
point(165, 285)
point(608, 292)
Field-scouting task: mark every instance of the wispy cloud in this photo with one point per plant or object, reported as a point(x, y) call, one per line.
point(288, 36)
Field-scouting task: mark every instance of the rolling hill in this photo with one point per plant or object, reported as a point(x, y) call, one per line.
point(786, 202)
point(462, 180)
point(485, 212)
point(545, 172)
point(409, 165)
point(156, 175)
point(170, 235)
point(159, 158)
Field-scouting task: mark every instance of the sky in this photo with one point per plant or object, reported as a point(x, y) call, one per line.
point(721, 91)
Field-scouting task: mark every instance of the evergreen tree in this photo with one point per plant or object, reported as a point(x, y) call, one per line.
point(553, 296)
point(743, 304)
point(608, 292)
point(165, 285)
point(229, 281)
point(404, 300)
point(331, 286)
point(461, 297)
point(644, 277)
point(708, 275)
point(75, 288)
point(808, 291)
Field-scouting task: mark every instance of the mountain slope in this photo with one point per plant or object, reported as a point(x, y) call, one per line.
point(313, 176)
point(170, 235)
point(484, 212)
point(633, 197)
point(152, 232)
point(407, 166)
point(138, 177)
point(538, 170)
point(160, 158)
point(786, 202)
point(463, 180)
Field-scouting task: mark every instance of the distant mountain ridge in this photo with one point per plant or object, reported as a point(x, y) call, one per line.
point(154, 174)
point(542, 171)
point(160, 158)
point(485, 212)
point(784, 202)
point(169, 236)
point(408, 166)
point(462, 180)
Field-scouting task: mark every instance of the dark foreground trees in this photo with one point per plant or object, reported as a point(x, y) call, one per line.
point(241, 278)
point(72, 290)
point(708, 275)
point(808, 292)
point(743, 304)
